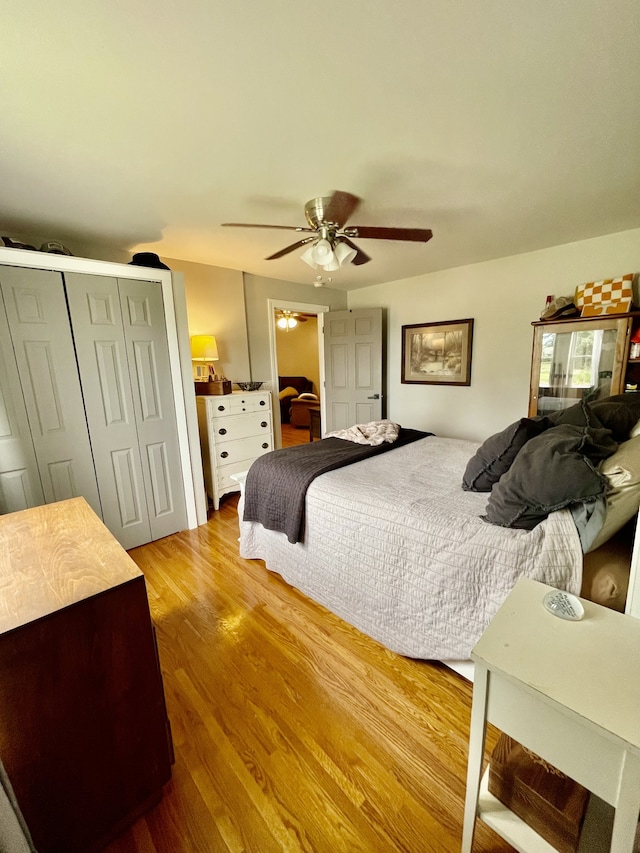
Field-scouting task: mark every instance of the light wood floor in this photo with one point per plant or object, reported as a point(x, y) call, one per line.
point(292, 730)
point(294, 435)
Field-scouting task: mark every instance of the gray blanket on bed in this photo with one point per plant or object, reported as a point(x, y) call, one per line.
point(277, 482)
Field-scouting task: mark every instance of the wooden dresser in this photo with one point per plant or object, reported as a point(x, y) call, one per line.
point(234, 430)
point(84, 734)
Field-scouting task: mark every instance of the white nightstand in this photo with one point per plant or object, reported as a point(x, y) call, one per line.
point(570, 692)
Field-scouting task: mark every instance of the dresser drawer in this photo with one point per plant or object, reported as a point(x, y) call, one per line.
point(225, 472)
point(241, 426)
point(243, 449)
point(237, 404)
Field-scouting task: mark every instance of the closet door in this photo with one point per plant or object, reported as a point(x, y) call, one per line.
point(146, 337)
point(41, 337)
point(20, 485)
point(96, 316)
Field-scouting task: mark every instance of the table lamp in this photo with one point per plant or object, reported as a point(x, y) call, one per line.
point(204, 349)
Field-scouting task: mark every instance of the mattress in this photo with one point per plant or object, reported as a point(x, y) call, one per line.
point(394, 546)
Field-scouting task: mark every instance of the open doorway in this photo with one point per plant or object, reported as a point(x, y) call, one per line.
point(296, 355)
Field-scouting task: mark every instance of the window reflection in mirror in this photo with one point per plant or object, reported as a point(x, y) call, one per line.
point(575, 365)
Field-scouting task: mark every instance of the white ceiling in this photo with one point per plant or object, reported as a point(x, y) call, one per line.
point(502, 125)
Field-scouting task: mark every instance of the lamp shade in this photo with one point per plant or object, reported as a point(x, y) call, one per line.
point(204, 348)
point(345, 254)
point(308, 257)
point(322, 252)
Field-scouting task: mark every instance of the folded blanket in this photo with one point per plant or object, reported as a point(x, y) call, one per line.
point(373, 433)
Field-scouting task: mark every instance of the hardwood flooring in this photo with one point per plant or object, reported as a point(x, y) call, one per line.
point(294, 435)
point(292, 730)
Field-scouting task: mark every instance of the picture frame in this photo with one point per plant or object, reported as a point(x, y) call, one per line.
point(437, 353)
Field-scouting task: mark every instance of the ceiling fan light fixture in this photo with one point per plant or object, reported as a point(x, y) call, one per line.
point(308, 257)
point(322, 253)
point(332, 264)
point(286, 322)
point(344, 254)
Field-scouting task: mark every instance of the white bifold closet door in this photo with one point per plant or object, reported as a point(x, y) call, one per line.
point(121, 342)
point(86, 401)
point(49, 392)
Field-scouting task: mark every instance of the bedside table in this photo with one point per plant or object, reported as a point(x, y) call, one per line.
point(568, 691)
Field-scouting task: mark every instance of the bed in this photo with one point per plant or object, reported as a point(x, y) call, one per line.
point(395, 545)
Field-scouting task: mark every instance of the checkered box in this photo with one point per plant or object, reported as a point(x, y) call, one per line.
point(610, 296)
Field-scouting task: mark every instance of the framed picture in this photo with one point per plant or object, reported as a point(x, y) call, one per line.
point(437, 353)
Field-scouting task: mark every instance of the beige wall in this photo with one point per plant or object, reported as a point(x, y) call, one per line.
point(258, 290)
point(298, 352)
point(215, 306)
point(503, 297)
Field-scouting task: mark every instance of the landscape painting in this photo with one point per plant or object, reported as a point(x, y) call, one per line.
point(437, 353)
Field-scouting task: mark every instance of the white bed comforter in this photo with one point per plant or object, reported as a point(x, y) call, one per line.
point(394, 546)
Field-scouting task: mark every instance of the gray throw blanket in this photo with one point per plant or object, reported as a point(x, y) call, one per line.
point(277, 482)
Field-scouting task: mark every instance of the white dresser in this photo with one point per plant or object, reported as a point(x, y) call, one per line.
point(234, 430)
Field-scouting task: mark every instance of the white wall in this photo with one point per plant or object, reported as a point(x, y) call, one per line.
point(503, 297)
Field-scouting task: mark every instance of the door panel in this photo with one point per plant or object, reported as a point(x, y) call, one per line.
point(20, 485)
point(148, 355)
point(94, 305)
point(45, 357)
point(353, 367)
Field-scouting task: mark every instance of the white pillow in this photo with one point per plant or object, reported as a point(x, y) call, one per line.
point(635, 431)
point(622, 470)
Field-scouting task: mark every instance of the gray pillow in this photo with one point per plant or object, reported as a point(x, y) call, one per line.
point(619, 414)
point(495, 456)
point(553, 470)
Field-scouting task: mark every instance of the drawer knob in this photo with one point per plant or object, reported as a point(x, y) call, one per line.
point(265, 444)
point(263, 424)
point(221, 408)
point(263, 402)
point(222, 431)
point(224, 454)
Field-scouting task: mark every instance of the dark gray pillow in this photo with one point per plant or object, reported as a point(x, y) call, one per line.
point(618, 416)
point(619, 413)
point(553, 470)
point(495, 456)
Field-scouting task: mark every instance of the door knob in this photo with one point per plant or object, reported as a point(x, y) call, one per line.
point(374, 397)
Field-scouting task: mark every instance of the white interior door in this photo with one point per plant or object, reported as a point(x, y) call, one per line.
point(20, 485)
point(41, 334)
point(352, 368)
point(94, 305)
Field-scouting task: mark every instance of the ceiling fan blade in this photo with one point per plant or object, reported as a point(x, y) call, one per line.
point(290, 248)
point(361, 257)
point(414, 235)
point(340, 207)
point(252, 225)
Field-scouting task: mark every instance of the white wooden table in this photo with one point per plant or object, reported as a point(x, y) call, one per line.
point(569, 691)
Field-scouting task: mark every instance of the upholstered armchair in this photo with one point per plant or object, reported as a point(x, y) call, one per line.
point(299, 413)
point(290, 387)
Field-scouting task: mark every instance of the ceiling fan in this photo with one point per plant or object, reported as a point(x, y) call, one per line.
point(331, 238)
point(290, 319)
